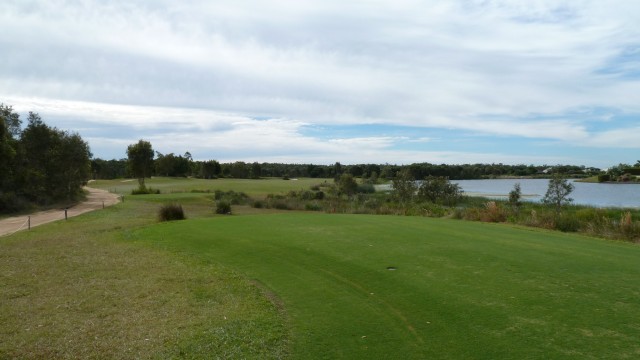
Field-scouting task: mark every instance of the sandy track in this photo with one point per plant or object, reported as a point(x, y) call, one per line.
point(95, 200)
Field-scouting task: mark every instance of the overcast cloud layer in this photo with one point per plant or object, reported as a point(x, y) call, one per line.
point(455, 81)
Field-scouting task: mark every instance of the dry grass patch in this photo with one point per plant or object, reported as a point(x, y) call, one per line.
point(70, 290)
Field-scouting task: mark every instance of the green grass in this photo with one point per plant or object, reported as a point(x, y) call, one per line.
point(256, 188)
point(461, 289)
point(117, 284)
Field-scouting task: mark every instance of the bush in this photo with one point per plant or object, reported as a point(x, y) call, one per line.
point(143, 190)
point(258, 204)
point(233, 197)
point(628, 228)
point(493, 213)
point(313, 206)
point(567, 223)
point(366, 189)
point(280, 205)
point(223, 208)
point(10, 202)
point(171, 212)
point(604, 177)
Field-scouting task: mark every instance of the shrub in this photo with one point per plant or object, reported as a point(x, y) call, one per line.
point(628, 228)
point(143, 190)
point(604, 177)
point(223, 208)
point(493, 213)
point(347, 184)
point(280, 205)
point(567, 223)
point(307, 195)
point(439, 190)
point(171, 212)
point(10, 202)
point(366, 189)
point(258, 204)
point(233, 197)
point(314, 206)
point(515, 197)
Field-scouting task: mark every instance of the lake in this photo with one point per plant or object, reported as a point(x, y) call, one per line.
point(593, 194)
point(599, 195)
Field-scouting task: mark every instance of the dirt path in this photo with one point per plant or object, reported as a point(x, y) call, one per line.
point(95, 200)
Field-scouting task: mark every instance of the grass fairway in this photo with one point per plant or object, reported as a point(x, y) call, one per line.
point(459, 289)
point(252, 187)
point(116, 284)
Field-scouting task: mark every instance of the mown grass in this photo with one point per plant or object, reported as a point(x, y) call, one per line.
point(252, 187)
point(460, 289)
point(79, 289)
point(116, 284)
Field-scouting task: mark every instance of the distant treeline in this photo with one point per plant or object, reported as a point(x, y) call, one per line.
point(39, 164)
point(183, 166)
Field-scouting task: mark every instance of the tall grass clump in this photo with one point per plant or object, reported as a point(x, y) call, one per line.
point(628, 228)
point(223, 207)
point(171, 212)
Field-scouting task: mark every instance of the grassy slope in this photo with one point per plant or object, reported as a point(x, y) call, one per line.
point(73, 290)
point(461, 289)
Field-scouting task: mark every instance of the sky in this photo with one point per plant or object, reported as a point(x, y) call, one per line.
point(456, 81)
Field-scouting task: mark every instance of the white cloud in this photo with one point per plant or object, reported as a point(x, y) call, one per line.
point(618, 138)
point(496, 67)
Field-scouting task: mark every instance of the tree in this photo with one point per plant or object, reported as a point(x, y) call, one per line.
point(11, 120)
point(347, 184)
point(439, 189)
point(558, 192)
point(337, 171)
point(42, 166)
point(53, 164)
point(209, 169)
point(239, 170)
point(404, 186)
point(514, 197)
point(256, 171)
point(140, 160)
point(7, 145)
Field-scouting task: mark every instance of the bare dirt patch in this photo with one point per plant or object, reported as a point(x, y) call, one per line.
point(96, 199)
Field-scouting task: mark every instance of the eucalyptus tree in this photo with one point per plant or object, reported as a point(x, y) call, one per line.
point(404, 186)
point(140, 160)
point(558, 191)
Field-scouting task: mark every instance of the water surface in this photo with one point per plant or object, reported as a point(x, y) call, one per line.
point(599, 195)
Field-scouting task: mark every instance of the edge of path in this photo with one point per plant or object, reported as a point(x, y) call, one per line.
point(96, 199)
